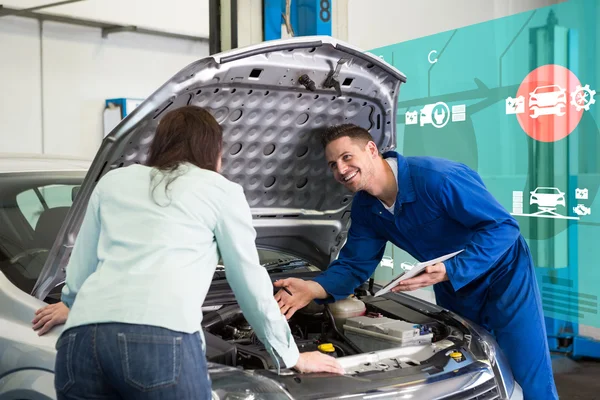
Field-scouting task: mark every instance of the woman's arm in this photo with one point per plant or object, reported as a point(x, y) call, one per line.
point(83, 263)
point(253, 287)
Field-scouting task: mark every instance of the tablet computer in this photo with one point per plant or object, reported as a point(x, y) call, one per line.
point(416, 270)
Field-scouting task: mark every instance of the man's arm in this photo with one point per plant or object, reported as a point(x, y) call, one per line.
point(356, 262)
point(466, 199)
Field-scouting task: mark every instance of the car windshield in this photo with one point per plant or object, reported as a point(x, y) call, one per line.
point(548, 89)
point(33, 207)
point(547, 191)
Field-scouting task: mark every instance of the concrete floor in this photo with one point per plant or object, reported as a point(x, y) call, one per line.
point(576, 380)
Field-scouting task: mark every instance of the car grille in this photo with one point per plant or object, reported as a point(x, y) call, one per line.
point(486, 391)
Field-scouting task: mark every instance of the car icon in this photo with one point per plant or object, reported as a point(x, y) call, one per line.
point(387, 261)
point(548, 100)
point(547, 197)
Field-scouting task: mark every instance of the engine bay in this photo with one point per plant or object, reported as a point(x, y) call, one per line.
point(365, 333)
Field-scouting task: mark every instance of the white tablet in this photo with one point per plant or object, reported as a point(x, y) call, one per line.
point(416, 270)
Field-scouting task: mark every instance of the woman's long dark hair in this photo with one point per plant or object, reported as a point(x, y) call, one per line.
point(187, 134)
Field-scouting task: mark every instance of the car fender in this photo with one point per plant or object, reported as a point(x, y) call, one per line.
point(30, 384)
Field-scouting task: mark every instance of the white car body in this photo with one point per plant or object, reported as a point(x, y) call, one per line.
point(547, 197)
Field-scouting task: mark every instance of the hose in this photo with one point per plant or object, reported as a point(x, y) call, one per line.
point(216, 320)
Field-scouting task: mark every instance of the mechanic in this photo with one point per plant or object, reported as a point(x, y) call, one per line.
point(430, 207)
point(142, 265)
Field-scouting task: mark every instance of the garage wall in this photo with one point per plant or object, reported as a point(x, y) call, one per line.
point(80, 74)
point(55, 77)
point(379, 23)
point(71, 70)
point(179, 16)
point(20, 86)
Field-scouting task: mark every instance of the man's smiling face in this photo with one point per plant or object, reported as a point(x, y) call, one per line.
point(352, 162)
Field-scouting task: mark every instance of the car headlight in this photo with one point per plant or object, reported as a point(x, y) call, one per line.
point(234, 384)
point(490, 348)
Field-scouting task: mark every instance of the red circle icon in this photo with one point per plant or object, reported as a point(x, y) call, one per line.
point(549, 115)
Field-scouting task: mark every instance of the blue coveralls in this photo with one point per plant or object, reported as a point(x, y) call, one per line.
point(442, 207)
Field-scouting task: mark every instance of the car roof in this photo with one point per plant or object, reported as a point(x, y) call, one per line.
point(41, 162)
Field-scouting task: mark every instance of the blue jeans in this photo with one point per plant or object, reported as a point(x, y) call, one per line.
point(125, 361)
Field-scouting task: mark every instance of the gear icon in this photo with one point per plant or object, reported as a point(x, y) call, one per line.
point(583, 97)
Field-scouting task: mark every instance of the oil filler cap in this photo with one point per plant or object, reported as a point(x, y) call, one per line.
point(457, 356)
point(326, 348)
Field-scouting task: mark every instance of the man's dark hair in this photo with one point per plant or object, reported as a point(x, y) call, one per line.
point(187, 134)
point(352, 131)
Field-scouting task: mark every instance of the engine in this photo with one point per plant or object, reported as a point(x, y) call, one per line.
point(347, 327)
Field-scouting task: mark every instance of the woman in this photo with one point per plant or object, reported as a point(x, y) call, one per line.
point(142, 265)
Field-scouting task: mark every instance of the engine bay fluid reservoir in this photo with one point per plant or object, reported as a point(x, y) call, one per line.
point(347, 308)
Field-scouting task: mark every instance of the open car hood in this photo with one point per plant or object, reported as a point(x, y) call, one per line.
point(271, 100)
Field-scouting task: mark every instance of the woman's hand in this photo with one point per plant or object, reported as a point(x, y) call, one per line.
point(49, 316)
point(316, 361)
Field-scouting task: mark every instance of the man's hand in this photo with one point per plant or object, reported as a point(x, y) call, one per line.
point(302, 293)
point(49, 316)
point(433, 274)
point(315, 361)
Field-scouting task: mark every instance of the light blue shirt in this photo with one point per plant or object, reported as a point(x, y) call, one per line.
point(139, 262)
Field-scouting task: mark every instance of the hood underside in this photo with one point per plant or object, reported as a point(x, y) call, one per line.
point(272, 100)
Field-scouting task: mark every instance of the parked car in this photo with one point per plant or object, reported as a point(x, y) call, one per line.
point(271, 99)
point(547, 197)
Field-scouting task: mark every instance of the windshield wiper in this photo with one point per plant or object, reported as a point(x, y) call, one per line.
point(285, 264)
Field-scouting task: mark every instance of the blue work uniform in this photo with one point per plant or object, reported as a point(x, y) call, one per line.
point(441, 207)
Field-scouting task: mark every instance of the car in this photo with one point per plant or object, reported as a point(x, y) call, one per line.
point(547, 100)
point(547, 197)
point(271, 99)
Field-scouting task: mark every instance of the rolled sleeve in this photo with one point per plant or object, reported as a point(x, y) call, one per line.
point(250, 282)
point(356, 262)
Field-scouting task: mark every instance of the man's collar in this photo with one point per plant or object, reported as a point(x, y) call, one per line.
point(406, 191)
